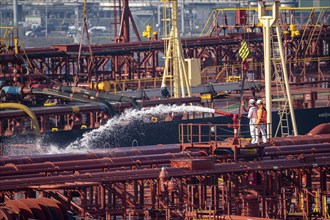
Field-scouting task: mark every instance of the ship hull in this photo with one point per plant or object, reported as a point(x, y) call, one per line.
point(140, 134)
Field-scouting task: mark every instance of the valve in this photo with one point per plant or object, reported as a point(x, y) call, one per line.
point(148, 31)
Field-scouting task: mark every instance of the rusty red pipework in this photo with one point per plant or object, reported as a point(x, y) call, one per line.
point(41, 209)
point(320, 130)
point(131, 181)
point(299, 140)
point(113, 153)
point(96, 164)
point(234, 126)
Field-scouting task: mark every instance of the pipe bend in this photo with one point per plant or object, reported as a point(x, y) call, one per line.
point(28, 111)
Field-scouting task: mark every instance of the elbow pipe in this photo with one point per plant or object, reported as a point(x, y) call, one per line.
point(72, 97)
point(100, 94)
point(320, 129)
point(228, 114)
point(28, 111)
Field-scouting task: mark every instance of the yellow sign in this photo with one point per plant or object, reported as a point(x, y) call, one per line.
point(244, 50)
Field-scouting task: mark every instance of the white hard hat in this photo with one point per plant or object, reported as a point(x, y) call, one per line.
point(251, 101)
point(259, 102)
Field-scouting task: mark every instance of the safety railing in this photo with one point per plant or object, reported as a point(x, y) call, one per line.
point(132, 84)
point(204, 134)
point(247, 17)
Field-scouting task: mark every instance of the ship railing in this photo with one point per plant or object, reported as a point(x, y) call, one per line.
point(228, 20)
point(215, 135)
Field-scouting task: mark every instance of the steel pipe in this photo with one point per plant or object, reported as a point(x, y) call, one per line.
point(116, 152)
point(99, 94)
point(300, 140)
point(71, 97)
point(153, 173)
point(89, 164)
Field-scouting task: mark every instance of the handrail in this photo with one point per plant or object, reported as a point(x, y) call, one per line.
point(215, 13)
point(269, 8)
point(28, 111)
point(310, 37)
point(192, 134)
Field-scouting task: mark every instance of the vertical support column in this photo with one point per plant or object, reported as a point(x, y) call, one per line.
point(83, 198)
point(67, 66)
point(15, 9)
point(102, 197)
point(276, 191)
point(181, 206)
point(229, 197)
point(142, 193)
point(136, 191)
point(154, 64)
point(125, 22)
point(323, 189)
point(115, 22)
point(114, 198)
point(124, 202)
point(139, 65)
point(267, 22)
point(90, 196)
point(153, 194)
point(308, 198)
point(268, 74)
point(284, 205)
point(264, 191)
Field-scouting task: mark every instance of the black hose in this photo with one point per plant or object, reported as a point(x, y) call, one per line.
point(74, 97)
point(100, 94)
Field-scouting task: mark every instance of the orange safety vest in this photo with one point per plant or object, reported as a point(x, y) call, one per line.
point(262, 115)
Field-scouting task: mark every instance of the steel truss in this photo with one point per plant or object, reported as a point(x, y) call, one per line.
point(162, 182)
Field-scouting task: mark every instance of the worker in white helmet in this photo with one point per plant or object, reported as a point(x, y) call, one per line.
point(252, 115)
point(262, 121)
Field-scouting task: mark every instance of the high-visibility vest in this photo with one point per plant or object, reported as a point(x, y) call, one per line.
point(262, 115)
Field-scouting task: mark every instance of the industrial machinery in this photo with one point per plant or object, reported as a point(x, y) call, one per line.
point(206, 170)
point(285, 179)
point(105, 79)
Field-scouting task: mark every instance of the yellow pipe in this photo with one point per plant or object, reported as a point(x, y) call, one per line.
point(27, 111)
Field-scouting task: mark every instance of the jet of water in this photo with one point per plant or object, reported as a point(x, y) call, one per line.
point(117, 127)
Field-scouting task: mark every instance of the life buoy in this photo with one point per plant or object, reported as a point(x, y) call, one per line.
point(154, 119)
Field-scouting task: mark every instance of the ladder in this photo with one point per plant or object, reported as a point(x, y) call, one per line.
point(281, 95)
